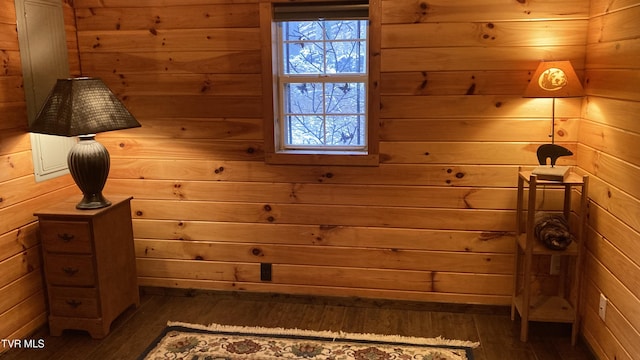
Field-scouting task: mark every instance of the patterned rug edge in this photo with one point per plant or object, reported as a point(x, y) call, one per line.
point(437, 341)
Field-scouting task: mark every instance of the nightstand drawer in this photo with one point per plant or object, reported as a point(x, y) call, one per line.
point(74, 302)
point(66, 236)
point(73, 270)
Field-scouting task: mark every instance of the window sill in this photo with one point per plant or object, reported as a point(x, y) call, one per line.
point(307, 158)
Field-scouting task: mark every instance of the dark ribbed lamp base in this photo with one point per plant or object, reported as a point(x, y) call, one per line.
point(89, 164)
point(93, 201)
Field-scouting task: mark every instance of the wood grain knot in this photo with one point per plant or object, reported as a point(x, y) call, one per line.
point(267, 208)
point(471, 90)
point(256, 252)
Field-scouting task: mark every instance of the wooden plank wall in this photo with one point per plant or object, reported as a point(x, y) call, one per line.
point(431, 223)
point(22, 300)
point(608, 150)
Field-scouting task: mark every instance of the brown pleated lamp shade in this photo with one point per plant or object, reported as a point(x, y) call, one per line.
point(554, 79)
point(84, 107)
point(79, 106)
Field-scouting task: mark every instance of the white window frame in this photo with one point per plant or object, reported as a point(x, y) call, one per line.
point(284, 79)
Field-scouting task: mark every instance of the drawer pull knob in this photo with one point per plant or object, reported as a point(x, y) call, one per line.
point(65, 237)
point(74, 303)
point(69, 270)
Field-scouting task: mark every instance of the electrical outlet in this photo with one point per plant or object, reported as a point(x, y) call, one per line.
point(265, 271)
point(602, 308)
point(555, 265)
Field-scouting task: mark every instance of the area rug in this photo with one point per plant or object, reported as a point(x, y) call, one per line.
point(221, 342)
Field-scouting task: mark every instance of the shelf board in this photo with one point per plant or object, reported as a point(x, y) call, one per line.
point(540, 249)
point(571, 179)
point(547, 309)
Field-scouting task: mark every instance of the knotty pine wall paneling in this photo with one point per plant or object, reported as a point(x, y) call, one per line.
point(432, 222)
point(608, 151)
point(434, 217)
point(22, 299)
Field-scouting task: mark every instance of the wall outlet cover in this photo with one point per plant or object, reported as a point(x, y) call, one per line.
point(265, 271)
point(602, 308)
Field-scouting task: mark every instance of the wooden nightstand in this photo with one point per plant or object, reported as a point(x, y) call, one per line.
point(89, 265)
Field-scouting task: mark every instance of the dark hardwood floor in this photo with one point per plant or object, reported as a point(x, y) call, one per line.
point(133, 331)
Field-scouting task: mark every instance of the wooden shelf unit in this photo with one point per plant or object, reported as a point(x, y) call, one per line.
point(563, 306)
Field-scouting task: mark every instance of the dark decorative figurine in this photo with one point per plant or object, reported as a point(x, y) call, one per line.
point(552, 151)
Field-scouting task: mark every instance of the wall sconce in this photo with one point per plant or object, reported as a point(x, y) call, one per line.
point(83, 107)
point(553, 79)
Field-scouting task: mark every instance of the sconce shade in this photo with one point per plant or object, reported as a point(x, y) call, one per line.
point(83, 107)
point(80, 106)
point(554, 79)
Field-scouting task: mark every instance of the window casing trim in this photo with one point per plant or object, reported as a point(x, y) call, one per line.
point(366, 157)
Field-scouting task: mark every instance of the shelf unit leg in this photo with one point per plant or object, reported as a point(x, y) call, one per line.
point(528, 261)
point(524, 331)
point(516, 257)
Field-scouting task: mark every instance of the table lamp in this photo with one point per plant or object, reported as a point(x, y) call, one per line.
point(83, 107)
point(553, 79)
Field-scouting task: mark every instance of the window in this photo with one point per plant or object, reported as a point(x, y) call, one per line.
point(322, 85)
point(319, 84)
